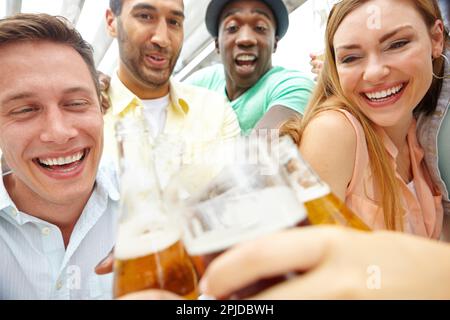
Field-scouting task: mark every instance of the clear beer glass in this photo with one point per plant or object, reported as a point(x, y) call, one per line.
point(246, 198)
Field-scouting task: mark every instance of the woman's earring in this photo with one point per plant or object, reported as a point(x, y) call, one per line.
point(448, 63)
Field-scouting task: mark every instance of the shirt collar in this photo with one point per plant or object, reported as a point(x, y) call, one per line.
point(107, 180)
point(122, 98)
point(5, 200)
point(414, 143)
point(178, 97)
point(8, 207)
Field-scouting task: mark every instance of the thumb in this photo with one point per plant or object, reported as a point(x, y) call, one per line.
point(106, 265)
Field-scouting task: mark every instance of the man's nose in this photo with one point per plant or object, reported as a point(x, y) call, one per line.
point(160, 35)
point(57, 127)
point(246, 37)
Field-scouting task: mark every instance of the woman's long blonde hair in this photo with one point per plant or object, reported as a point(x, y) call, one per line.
point(328, 95)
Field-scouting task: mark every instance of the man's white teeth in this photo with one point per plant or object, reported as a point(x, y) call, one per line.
point(245, 58)
point(62, 160)
point(385, 93)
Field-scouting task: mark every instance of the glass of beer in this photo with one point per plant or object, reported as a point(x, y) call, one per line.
point(149, 253)
point(248, 198)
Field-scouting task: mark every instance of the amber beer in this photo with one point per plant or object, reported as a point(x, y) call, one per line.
point(156, 260)
point(326, 208)
point(322, 206)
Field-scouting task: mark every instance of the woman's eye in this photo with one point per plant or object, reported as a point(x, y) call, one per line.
point(398, 44)
point(349, 59)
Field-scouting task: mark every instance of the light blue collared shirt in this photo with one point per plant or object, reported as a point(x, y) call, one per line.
point(34, 263)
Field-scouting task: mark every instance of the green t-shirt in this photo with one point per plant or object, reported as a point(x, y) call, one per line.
point(278, 86)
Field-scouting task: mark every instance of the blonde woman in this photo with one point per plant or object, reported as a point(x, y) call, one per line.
point(359, 129)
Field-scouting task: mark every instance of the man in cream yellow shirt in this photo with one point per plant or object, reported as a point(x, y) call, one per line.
point(150, 36)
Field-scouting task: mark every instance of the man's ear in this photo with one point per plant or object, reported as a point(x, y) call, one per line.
point(275, 44)
point(216, 43)
point(111, 23)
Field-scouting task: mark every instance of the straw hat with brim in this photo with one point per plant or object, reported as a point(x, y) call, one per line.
point(215, 8)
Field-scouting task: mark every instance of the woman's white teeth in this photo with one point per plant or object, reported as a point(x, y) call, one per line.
point(62, 160)
point(385, 93)
point(245, 58)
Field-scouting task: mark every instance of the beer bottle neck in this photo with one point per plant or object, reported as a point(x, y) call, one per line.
point(302, 178)
point(140, 190)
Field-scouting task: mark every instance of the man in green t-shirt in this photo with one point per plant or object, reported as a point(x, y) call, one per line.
point(246, 34)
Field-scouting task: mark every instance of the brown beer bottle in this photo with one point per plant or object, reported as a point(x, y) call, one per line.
point(149, 253)
point(322, 206)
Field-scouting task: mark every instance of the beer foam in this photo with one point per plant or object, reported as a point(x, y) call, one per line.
point(242, 218)
point(143, 235)
point(222, 240)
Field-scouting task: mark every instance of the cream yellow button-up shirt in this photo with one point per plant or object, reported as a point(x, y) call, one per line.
point(195, 116)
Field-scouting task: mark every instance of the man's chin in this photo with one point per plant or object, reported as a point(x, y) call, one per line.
point(68, 191)
point(156, 78)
